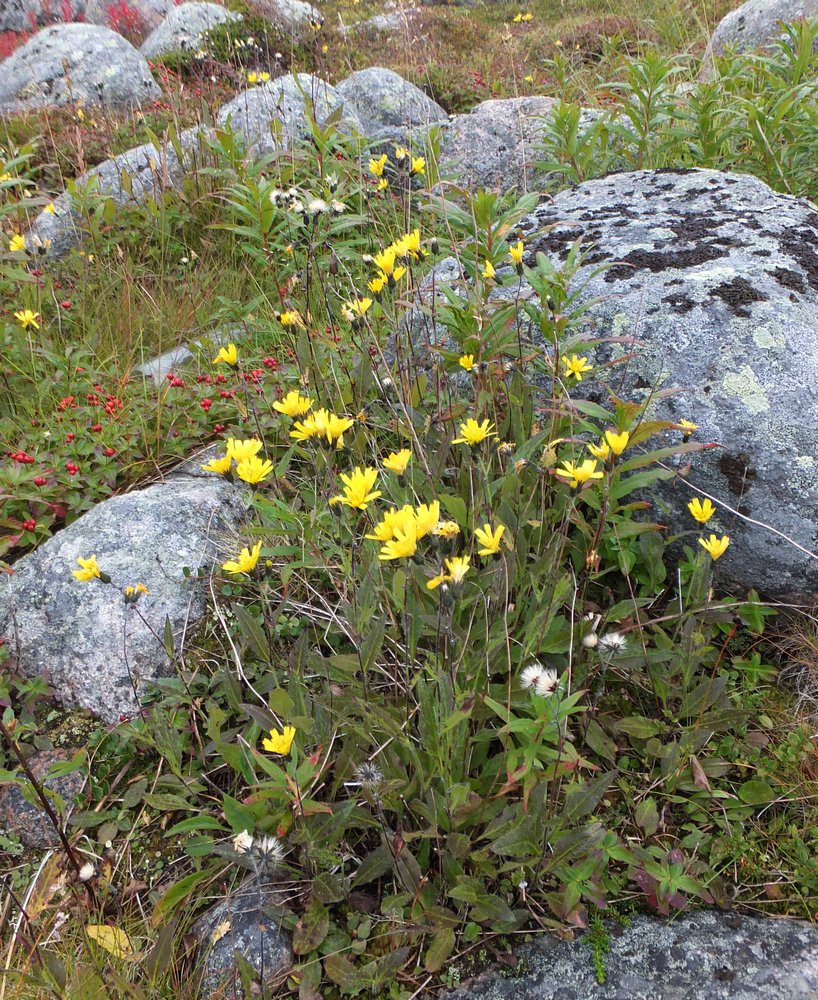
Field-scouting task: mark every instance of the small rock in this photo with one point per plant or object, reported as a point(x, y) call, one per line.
point(493, 145)
point(75, 64)
point(292, 16)
point(93, 647)
point(143, 15)
point(184, 28)
point(31, 823)
point(287, 101)
point(243, 922)
point(388, 106)
point(396, 20)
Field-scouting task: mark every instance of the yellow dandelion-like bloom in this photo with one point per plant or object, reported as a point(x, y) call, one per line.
point(715, 547)
point(578, 474)
point(466, 361)
point(576, 367)
point(253, 470)
point(701, 511)
point(488, 270)
point(402, 545)
point(489, 540)
point(89, 569)
point(227, 355)
point(222, 465)
point(358, 492)
point(427, 518)
point(398, 461)
point(240, 450)
point(376, 167)
point(26, 318)
point(617, 442)
point(293, 404)
point(245, 562)
point(472, 433)
point(17, 243)
point(279, 742)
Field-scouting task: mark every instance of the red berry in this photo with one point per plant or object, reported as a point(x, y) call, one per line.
point(40, 480)
point(206, 404)
point(70, 437)
point(29, 525)
point(65, 304)
point(109, 452)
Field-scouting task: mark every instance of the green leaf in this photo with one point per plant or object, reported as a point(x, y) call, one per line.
point(756, 792)
point(378, 863)
point(167, 638)
point(439, 950)
point(640, 727)
point(194, 823)
point(647, 816)
point(239, 816)
point(311, 929)
point(252, 632)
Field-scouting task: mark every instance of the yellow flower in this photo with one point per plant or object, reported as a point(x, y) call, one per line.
point(134, 592)
point(356, 310)
point(409, 245)
point(488, 270)
point(687, 426)
point(90, 569)
point(50, 208)
point(529, 78)
point(516, 254)
point(701, 511)
point(245, 561)
point(617, 442)
point(580, 473)
point(392, 521)
point(447, 530)
point(466, 361)
point(280, 743)
point(427, 517)
point(336, 427)
point(488, 539)
point(576, 366)
point(714, 546)
point(600, 451)
point(252, 77)
point(228, 355)
point(293, 404)
point(376, 284)
point(253, 470)
point(402, 545)
point(376, 167)
point(17, 243)
point(383, 184)
point(303, 430)
point(456, 567)
point(418, 165)
point(385, 260)
point(397, 461)
point(263, 77)
point(221, 465)
point(27, 318)
point(291, 317)
point(397, 274)
point(240, 450)
point(401, 152)
point(472, 433)
point(358, 489)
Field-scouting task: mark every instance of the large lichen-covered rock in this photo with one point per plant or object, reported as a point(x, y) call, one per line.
point(243, 923)
point(128, 179)
point(142, 16)
point(93, 646)
point(388, 106)
point(699, 956)
point(715, 276)
point(70, 63)
point(282, 106)
point(184, 28)
point(757, 24)
point(23, 15)
point(494, 144)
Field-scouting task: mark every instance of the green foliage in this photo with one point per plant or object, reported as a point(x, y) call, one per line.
point(757, 116)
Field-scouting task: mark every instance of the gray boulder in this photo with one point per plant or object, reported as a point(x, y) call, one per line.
point(388, 106)
point(244, 923)
point(293, 16)
point(494, 144)
point(287, 101)
point(395, 20)
point(93, 646)
point(715, 277)
point(24, 15)
point(149, 14)
point(757, 24)
point(129, 179)
point(699, 956)
point(184, 28)
point(70, 63)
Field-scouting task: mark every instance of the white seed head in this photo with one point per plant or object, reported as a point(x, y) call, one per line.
point(317, 206)
point(546, 682)
point(612, 643)
point(531, 675)
point(590, 640)
point(87, 872)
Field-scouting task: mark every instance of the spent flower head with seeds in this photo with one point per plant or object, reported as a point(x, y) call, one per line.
point(612, 644)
